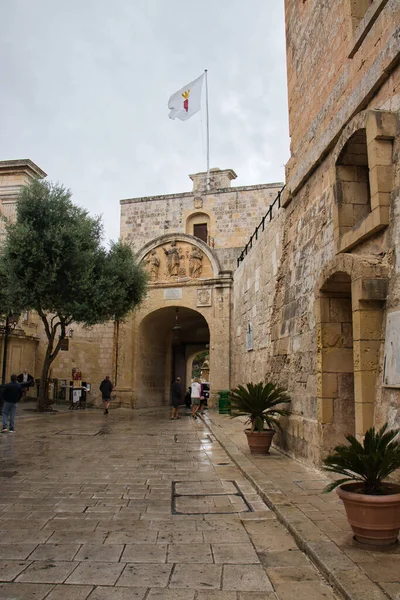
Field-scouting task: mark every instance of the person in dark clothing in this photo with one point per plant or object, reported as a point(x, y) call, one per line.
point(176, 398)
point(187, 399)
point(11, 395)
point(106, 388)
point(26, 380)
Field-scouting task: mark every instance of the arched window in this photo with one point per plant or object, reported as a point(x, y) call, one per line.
point(364, 178)
point(352, 182)
point(198, 225)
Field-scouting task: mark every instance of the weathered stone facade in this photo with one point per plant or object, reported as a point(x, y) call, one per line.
point(23, 340)
point(337, 278)
point(189, 243)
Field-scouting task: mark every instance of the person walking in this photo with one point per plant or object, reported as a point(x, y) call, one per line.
point(12, 394)
point(176, 396)
point(106, 388)
point(187, 400)
point(195, 397)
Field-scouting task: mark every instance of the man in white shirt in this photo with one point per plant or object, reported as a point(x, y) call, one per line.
point(195, 397)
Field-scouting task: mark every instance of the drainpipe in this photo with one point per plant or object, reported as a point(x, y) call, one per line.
point(5, 344)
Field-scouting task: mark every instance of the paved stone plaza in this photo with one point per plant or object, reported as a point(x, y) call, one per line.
point(134, 506)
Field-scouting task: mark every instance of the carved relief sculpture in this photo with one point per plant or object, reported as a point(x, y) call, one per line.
point(195, 263)
point(176, 262)
point(153, 264)
point(173, 259)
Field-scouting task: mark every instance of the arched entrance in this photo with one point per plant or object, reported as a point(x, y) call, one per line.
point(350, 301)
point(166, 340)
point(337, 406)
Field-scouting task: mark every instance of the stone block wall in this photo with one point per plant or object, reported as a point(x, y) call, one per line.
point(232, 215)
point(326, 320)
point(91, 351)
point(335, 63)
point(274, 290)
point(255, 283)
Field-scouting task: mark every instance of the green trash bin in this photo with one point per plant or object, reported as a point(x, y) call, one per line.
point(224, 404)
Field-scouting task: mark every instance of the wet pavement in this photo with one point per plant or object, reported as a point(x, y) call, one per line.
point(135, 506)
point(316, 520)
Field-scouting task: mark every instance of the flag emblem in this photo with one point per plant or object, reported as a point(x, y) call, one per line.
point(185, 96)
point(187, 101)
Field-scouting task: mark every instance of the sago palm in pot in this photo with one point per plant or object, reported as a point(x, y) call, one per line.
point(261, 403)
point(372, 504)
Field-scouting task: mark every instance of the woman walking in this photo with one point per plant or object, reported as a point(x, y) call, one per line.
point(195, 397)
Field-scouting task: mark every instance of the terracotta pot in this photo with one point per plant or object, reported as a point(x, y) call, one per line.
point(375, 520)
point(259, 441)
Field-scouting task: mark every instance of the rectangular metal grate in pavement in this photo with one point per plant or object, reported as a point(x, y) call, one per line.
point(214, 498)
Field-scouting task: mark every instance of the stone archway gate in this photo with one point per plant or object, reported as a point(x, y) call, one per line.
point(184, 272)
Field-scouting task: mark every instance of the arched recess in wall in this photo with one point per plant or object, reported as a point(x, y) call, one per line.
point(199, 224)
point(363, 163)
point(350, 300)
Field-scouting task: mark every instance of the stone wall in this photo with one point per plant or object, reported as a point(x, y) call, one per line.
point(334, 68)
point(254, 291)
point(333, 372)
point(13, 175)
point(91, 351)
point(284, 265)
point(231, 213)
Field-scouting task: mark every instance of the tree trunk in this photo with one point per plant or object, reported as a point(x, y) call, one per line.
point(56, 323)
point(43, 397)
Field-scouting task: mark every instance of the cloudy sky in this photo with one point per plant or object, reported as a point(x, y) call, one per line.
point(84, 86)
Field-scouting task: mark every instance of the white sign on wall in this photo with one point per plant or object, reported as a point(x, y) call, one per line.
point(173, 294)
point(391, 370)
point(249, 337)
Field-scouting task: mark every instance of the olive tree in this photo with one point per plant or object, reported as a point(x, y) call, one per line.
point(53, 262)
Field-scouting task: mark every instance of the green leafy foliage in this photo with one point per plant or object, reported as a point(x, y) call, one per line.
point(198, 362)
point(369, 463)
point(53, 262)
point(261, 403)
point(8, 307)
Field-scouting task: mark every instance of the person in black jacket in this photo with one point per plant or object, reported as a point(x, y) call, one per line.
point(11, 395)
point(106, 388)
point(26, 380)
point(176, 398)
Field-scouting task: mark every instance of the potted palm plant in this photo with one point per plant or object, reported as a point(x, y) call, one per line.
point(372, 504)
point(260, 402)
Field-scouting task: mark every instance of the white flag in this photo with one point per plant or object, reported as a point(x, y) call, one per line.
point(187, 101)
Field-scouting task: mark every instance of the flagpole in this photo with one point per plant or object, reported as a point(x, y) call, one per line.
point(208, 133)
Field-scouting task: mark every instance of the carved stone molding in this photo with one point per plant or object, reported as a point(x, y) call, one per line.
point(204, 297)
point(198, 202)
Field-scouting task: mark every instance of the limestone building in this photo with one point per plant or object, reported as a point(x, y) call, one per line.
point(190, 244)
point(23, 339)
point(324, 307)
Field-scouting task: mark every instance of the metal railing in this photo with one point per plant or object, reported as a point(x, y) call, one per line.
point(261, 227)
